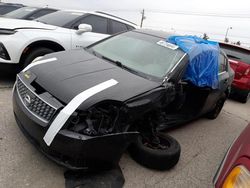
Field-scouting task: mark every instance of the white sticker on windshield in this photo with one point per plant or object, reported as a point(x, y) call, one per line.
point(167, 45)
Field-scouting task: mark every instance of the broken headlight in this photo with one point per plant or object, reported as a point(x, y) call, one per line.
point(101, 120)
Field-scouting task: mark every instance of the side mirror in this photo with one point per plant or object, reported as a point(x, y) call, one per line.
point(82, 28)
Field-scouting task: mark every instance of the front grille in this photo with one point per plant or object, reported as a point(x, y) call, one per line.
point(33, 103)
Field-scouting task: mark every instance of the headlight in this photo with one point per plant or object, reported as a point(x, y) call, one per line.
point(239, 177)
point(3, 52)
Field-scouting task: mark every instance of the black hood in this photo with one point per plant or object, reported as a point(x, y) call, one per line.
point(76, 71)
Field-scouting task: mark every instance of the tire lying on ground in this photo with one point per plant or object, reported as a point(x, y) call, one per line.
point(163, 157)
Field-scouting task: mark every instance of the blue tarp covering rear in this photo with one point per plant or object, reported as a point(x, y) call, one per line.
point(203, 64)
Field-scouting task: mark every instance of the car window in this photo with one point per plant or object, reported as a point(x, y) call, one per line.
point(60, 18)
point(140, 52)
point(222, 63)
point(99, 24)
point(7, 9)
point(237, 53)
point(40, 13)
point(21, 13)
point(117, 27)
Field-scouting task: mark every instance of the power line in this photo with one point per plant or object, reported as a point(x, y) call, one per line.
point(188, 13)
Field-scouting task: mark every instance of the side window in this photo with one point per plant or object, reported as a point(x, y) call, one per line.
point(99, 24)
point(222, 63)
point(40, 13)
point(117, 27)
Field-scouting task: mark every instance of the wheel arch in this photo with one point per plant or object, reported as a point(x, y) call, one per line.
point(41, 43)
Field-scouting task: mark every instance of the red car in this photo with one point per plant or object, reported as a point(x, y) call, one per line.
point(239, 59)
point(234, 171)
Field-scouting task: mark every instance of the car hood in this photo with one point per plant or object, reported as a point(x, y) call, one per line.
point(9, 23)
point(76, 71)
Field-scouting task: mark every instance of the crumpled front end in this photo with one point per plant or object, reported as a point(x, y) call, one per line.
point(83, 142)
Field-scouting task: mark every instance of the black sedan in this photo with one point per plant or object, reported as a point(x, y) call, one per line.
point(83, 108)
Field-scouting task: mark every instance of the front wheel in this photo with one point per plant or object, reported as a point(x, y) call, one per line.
point(37, 52)
point(161, 155)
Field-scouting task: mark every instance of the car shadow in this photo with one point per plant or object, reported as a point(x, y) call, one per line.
point(7, 80)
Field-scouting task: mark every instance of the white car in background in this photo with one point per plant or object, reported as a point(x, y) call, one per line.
point(22, 41)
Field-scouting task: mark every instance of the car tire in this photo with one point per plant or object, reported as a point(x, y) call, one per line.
point(159, 159)
point(217, 109)
point(244, 98)
point(37, 52)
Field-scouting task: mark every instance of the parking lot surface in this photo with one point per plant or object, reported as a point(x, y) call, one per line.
point(203, 142)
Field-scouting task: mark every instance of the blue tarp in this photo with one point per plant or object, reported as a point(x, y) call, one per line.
point(203, 64)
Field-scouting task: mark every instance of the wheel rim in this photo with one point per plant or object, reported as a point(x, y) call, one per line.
point(162, 145)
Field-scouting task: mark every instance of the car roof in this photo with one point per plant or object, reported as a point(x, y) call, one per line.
point(103, 14)
point(233, 46)
point(11, 4)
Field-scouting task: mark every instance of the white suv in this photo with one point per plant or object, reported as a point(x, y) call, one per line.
point(22, 41)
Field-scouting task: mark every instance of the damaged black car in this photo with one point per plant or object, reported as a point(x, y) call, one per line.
point(84, 108)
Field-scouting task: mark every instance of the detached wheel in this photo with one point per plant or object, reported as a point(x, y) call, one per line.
point(161, 156)
point(217, 109)
point(37, 52)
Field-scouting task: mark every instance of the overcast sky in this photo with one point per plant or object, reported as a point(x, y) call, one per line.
point(181, 16)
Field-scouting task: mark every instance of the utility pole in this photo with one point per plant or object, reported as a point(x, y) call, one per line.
point(143, 17)
point(226, 39)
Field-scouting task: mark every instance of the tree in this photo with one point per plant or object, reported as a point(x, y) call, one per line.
point(205, 36)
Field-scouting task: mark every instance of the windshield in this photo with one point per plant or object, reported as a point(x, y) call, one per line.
point(237, 54)
point(59, 18)
point(140, 52)
point(20, 13)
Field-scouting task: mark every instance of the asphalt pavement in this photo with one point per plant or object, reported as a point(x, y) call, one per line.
point(203, 142)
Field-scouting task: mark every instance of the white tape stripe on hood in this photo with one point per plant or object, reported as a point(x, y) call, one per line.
point(38, 63)
point(69, 109)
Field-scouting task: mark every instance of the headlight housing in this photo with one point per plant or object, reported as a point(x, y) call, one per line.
point(3, 52)
point(239, 177)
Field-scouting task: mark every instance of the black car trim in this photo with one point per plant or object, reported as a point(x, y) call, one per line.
point(16, 85)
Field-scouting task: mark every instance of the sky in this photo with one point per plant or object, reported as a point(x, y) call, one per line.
point(193, 17)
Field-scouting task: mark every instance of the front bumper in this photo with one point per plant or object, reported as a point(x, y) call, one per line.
point(72, 150)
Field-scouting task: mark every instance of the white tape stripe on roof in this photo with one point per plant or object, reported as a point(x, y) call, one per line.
point(69, 109)
point(38, 63)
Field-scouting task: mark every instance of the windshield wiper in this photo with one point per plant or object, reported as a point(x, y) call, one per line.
point(118, 63)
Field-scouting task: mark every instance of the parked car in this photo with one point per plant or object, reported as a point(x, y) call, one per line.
point(8, 7)
point(21, 41)
point(29, 13)
point(239, 58)
point(234, 170)
point(87, 106)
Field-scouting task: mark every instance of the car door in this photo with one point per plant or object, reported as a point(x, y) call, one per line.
point(99, 31)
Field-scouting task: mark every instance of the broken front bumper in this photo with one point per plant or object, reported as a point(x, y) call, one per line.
point(72, 150)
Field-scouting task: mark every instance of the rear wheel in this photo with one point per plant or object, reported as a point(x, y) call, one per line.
point(161, 156)
point(245, 97)
point(218, 107)
point(37, 52)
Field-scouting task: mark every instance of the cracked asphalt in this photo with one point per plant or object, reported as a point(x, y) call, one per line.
point(203, 142)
